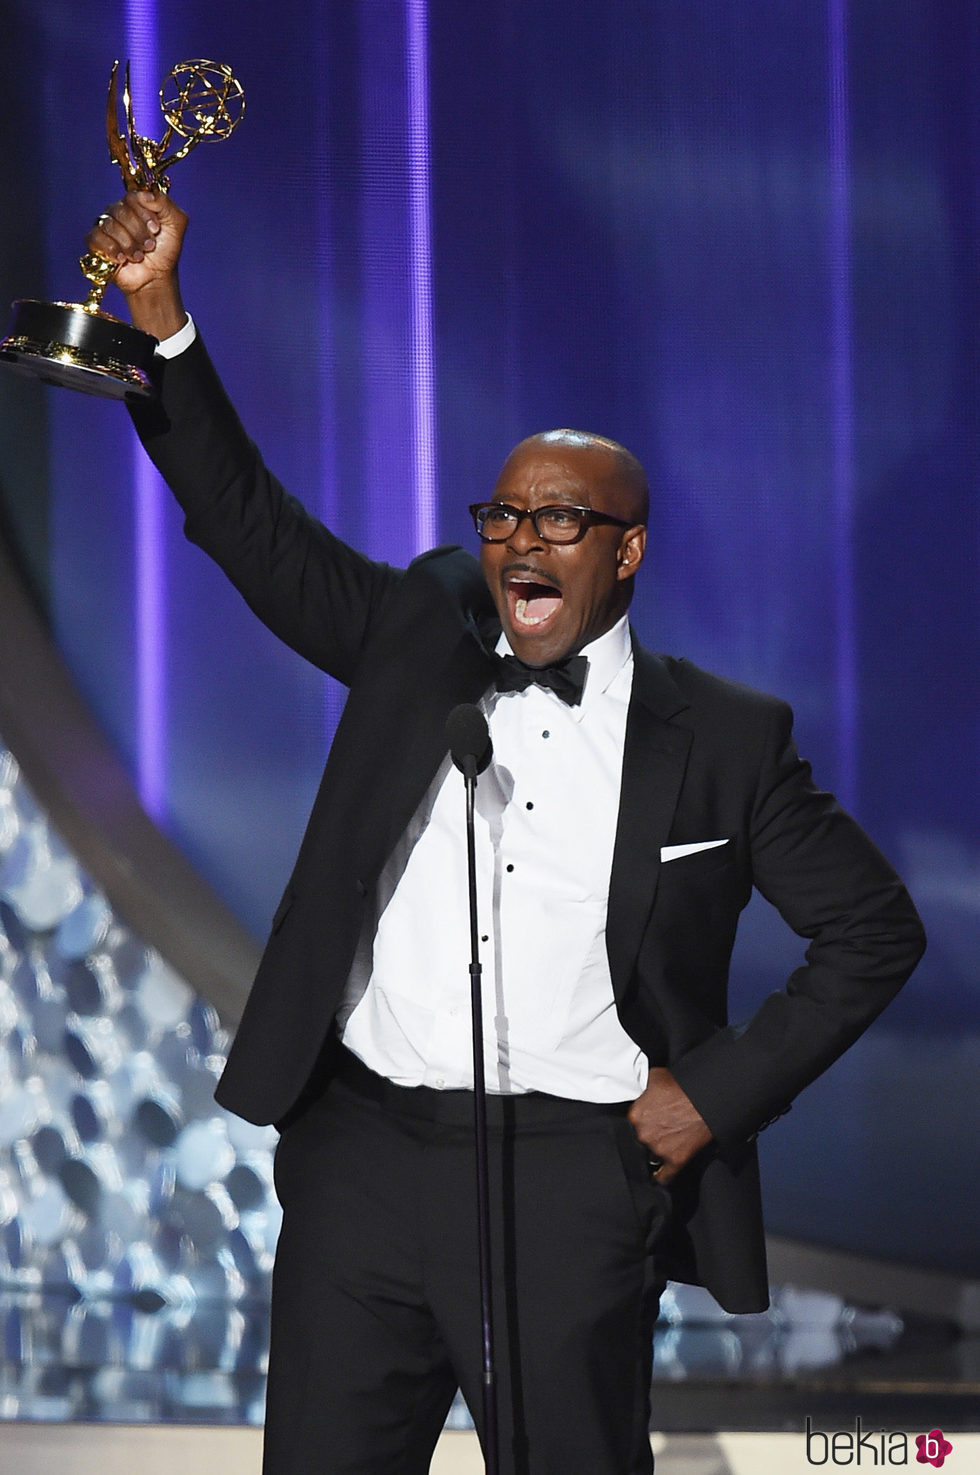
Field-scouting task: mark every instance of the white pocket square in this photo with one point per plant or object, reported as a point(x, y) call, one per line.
point(674, 852)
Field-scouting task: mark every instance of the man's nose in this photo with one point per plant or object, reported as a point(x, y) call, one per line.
point(525, 535)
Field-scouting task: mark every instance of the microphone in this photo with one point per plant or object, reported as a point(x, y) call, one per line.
point(469, 739)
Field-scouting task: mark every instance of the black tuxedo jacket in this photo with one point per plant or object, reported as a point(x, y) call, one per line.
point(705, 759)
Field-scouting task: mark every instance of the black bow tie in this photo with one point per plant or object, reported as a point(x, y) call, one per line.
point(565, 678)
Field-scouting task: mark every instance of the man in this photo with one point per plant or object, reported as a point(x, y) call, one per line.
point(620, 829)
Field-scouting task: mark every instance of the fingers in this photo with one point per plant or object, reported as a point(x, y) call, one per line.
point(668, 1124)
point(128, 230)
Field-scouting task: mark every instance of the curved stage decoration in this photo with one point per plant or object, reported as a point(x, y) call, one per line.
point(137, 1220)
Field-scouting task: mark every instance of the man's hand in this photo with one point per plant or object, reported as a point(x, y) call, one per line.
point(144, 232)
point(668, 1124)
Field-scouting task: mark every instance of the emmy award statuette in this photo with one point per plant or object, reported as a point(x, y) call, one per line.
point(75, 343)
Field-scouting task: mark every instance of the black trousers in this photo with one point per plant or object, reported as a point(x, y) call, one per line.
point(376, 1293)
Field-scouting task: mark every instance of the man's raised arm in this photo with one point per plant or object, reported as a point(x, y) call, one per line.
point(312, 590)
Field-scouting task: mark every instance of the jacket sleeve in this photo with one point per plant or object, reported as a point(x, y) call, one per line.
point(313, 591)
point(833, 886)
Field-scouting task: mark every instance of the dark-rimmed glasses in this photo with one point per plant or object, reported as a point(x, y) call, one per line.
point(497, 521)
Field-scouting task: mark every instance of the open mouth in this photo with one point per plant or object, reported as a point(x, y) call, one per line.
point(530, 602)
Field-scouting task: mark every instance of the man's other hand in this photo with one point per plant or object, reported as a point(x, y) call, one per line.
point(668, 1124)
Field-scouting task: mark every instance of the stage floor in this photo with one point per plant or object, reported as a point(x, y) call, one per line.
point(37, 1449)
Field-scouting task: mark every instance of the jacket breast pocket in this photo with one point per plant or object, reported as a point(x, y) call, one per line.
point(697, 904)
point(688, 941)
point(697, 865)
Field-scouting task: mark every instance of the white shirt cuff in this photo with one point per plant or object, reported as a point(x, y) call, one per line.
point(169, 348)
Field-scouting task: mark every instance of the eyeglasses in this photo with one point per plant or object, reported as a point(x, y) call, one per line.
point(497, 521)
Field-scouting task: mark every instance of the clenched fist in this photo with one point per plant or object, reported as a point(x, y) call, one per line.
point(143, 233)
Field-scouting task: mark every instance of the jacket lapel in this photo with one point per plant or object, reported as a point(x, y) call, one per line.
point(462, 674)
point(654, 762)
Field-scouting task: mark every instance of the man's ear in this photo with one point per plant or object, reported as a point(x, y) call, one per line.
point(631, 549)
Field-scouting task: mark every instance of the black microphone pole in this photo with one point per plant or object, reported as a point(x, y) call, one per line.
point(471, 750)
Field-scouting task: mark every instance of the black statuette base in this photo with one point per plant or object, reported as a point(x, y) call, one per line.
point(62, 343)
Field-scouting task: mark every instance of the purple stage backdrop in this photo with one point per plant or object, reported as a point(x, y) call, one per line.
point(743, 239)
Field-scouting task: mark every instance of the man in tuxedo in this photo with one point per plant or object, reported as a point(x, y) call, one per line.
point(632, 804)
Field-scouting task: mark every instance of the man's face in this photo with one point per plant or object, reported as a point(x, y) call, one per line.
point(553, 599)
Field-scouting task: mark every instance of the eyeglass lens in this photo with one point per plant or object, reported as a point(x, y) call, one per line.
point(554, 524)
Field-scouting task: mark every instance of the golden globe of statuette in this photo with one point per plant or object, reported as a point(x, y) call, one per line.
point(76, 344)
point(202, 99)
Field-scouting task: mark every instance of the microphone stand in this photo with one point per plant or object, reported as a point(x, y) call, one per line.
point(491, 1462)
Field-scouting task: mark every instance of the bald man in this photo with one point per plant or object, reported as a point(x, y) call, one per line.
point(632, 803)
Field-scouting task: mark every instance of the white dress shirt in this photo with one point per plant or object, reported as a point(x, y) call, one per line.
point(546, 812)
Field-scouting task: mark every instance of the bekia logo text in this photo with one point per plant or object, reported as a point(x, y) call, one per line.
point(873, 1447)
